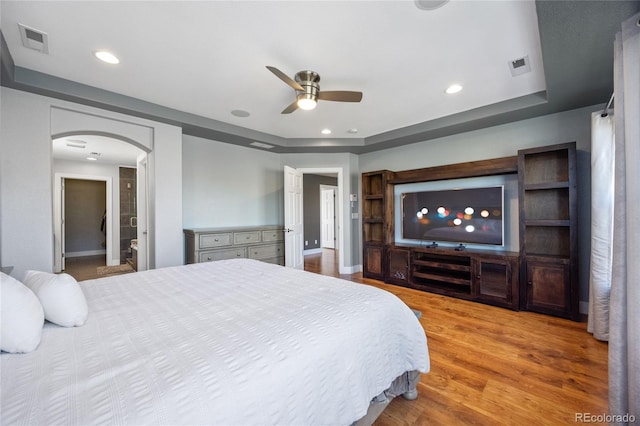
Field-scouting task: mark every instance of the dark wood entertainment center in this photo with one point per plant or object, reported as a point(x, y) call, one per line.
point(542, 277)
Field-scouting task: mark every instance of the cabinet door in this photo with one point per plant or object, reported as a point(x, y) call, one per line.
point(398, 268)
point(547, 287)
point(374, 261)
point(493, 281)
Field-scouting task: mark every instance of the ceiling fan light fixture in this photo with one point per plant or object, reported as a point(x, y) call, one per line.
point(306, 102)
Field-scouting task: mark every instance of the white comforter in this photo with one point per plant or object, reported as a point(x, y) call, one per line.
point(235, 342)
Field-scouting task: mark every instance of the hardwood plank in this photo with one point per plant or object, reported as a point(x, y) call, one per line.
point(491, 365)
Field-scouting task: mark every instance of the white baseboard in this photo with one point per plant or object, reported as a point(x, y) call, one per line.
point(84, 253)
point(351, 269)
point(312, 251)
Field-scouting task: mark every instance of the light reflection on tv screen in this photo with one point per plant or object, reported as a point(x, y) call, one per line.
point(473, 215)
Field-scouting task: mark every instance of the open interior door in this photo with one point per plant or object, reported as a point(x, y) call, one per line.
point(293, 234)
point(141, 212)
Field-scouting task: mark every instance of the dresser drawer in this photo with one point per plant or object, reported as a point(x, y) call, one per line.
point(215, 240)
point(275, 235)
point(208, 256)
point(266, 252)
point(246, 237)
point(274, 260)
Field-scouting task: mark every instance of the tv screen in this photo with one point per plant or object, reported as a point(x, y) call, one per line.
point(473, 216)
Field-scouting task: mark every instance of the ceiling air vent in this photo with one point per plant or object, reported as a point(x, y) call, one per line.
point(520, 66)
point(34, 39)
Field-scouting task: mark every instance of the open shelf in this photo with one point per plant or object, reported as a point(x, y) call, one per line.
point(546, 167)
point(373, 208)
point(373, 184)
point(444, 271)
point(373, 232)
point(546, 204)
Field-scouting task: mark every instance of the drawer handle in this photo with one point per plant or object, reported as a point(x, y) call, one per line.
point(216, 240)
point(209, 258)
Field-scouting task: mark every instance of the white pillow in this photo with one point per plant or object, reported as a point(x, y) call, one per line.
point(61, 297)
point(21, 317)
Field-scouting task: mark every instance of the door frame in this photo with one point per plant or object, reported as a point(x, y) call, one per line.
point(58, 212)
point(340, 208)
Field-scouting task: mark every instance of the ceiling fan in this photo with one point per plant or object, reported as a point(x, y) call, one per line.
point(308, 91)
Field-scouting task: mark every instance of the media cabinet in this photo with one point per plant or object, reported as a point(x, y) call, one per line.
point(541, 277)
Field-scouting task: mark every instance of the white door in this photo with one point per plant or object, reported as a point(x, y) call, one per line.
point(293, 235)
point(327, 217)
point(141, 212)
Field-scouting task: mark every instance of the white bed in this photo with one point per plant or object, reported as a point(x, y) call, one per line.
point(235, 342)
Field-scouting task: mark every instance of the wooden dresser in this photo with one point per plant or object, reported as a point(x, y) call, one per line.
point(265, 243)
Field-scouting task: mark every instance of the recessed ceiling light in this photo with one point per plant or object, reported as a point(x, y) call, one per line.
point(454, 88)
point(429, 4)
point(92, 158)
point(352, 131)
point(326, 131)
point(107, 57)
point(240, 113)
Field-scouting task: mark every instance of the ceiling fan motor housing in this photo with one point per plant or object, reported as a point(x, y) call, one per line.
point(309, 81)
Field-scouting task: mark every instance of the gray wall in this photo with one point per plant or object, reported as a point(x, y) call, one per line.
point(228, 185)
point(85, 204)
point(504, 141)
point(311, 207)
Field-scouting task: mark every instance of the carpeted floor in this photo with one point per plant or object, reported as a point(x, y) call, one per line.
point(107, 271)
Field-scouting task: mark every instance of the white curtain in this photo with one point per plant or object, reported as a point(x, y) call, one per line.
point(624, 312)
point(602, 184)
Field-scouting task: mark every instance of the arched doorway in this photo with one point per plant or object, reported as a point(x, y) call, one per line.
point(121, 164)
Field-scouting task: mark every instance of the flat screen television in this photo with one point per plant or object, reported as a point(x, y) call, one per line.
point(465, 216)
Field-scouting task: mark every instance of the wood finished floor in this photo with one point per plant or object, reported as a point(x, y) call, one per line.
point(493, 366)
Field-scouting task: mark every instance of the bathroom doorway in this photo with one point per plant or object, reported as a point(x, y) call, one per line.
point(114, 161)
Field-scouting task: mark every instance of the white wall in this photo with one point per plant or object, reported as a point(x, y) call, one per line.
point(505, 141)
point(229, 185)
point(26, 176)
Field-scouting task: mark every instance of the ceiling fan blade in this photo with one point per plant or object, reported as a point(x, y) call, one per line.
point(340, 96)
point(292, 107)
point(282, 76)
